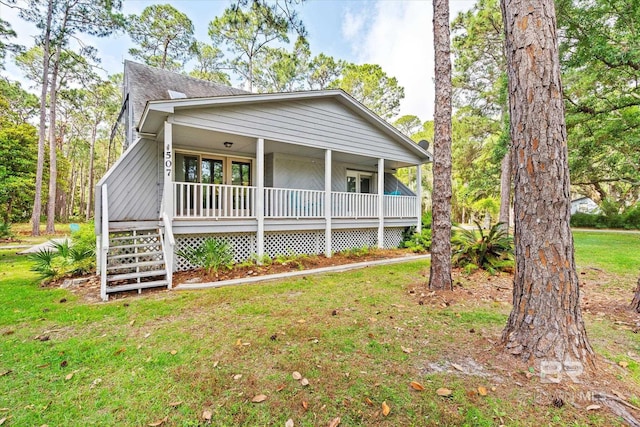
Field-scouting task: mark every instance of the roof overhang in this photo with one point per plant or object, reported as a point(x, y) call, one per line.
point(156, 112)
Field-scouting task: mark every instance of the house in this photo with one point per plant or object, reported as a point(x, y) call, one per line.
point(278, 173)
point(584, 205)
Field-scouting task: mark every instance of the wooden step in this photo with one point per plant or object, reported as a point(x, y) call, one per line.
point(135, 246)
point(132, 237)
point(135, 255)
point(134, 265)
point(134, 286)
point(136, 275)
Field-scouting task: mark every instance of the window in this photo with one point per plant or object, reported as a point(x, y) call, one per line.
point(359, 182)
point(204, 169)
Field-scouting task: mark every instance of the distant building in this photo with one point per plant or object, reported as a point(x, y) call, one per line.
point(584, 205)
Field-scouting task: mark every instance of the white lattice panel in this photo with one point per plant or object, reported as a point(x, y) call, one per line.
point(243, 244)
point(348, 239)
point(298, 242)
point(392, 237)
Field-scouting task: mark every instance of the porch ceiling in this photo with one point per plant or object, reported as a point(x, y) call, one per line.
point(202, 140)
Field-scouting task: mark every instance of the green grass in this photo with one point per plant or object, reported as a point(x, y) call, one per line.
point(359, 338)
point(615, 252)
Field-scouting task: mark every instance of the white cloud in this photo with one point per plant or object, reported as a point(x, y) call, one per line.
point(352, 24)
point(399, 37)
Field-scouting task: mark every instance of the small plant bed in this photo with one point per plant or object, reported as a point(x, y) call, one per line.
point(283, 264)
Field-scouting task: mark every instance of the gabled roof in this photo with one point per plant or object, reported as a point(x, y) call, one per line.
point(144, 83)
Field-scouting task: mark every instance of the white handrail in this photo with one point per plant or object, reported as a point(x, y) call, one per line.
point(104, 243)
point(168, 228)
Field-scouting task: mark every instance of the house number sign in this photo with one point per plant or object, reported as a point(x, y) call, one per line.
point(168, 162)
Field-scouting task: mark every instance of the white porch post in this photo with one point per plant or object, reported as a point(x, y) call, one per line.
point(260, 197)
point(381, 203)
point(327, 203)
point(168, 203)
point(419, 195)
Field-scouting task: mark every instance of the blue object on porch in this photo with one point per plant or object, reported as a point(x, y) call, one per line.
point(393, 193)
point(74, 227)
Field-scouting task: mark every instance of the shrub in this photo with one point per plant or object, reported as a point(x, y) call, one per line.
point(474, 249)
point(5, 230)
point(629, 219)
point(63, 259)
point(212, 255)
point(426, 220)
point(418, 242)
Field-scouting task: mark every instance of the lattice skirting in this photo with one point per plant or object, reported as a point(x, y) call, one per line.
point(289, 243)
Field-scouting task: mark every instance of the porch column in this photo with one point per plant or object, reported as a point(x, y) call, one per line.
point(327, 203)
point(167, 201)
point(419, 195)
point(260, 198)
point(381, 203)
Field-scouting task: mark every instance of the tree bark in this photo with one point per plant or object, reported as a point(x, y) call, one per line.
point(92, 149)
point(440, 275)
point(635, 304)
point(53, 167)
point(505, 190)
point(546, 321)
point(42, 127)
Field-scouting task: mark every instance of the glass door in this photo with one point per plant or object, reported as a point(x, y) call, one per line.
point(187, 170)
point(212, 173)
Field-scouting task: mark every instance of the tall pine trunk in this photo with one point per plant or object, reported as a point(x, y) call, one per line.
point(505, 189)
point(545, 322)
point(42, 127)
point(440, 275)
point(635, 303)
point(53, 165)
point(92, 149)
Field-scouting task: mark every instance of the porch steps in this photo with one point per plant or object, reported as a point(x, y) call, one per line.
point(135, 261)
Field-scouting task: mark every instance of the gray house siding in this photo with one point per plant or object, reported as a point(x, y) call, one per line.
point(322, 123)
point(132, 184)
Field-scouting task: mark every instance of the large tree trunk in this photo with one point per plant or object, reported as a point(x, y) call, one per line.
point(42, 127)
point(440, 275)
point(53, 167)
point(505, 189)
point(546, 322)
point(92, 149)
point(635, 304)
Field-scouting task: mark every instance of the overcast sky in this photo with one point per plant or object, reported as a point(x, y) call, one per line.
point(395, 34)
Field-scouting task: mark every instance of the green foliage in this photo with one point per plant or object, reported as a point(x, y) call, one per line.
point(212, 255)
point(5, 230)
point(427, 219)
point(278, 70)
point(371, 86)
point(209, 63)
point(491, 250)
point(65, 258)
point(357, 252)
point(164, 36)
point(418, 242)
point(629, 219)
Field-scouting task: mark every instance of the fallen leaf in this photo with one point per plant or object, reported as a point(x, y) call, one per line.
point(120, 350)
point(385, 409)
point(206, 415)
point(95, 382)
point(368, 401)
point(289, 423)
point(147, 335)
point(259, 398)
point(215, 364)
point(296, 375)
point(416, 385)
point(2, 420)
point(301, 321)
point(174, 352)
point(457, 367)
point(5, 373)
point(593, 407)
point(406, 349)
point(158, 423)
point(304, 382)
point(482, 391)
point(444, 392)
point(305, 405)
point(175, 404)
point(132, 322)
point(239, 342)
point(623, 363)
point(281, 387)
point(69, 376)
point(237, 376)
point(335, 422)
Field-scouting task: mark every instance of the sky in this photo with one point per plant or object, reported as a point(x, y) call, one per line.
point(395, 34)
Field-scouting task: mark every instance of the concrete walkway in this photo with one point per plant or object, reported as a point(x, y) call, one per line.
point(46, 245)
point(332, 269)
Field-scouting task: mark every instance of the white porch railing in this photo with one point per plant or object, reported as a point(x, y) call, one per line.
point(192, 200)
point(354, 205)
point(400, 207)
point(290, 203)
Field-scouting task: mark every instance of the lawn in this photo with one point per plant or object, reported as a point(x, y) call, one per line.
point(359, 339)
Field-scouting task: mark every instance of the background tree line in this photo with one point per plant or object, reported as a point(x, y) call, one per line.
point(61, 141)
